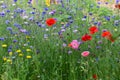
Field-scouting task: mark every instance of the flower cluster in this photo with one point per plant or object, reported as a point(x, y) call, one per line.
point(66, 40)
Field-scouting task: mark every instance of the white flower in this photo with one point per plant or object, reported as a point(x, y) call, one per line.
point(47, 29)
point(13, 4)
point(24, 17)
point(1, 1)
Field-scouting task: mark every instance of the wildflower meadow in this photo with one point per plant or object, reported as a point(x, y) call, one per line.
point(59, 39)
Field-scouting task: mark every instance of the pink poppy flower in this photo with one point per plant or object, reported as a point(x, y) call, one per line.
point(85, 53)
point(23, 30)
point(74, 44)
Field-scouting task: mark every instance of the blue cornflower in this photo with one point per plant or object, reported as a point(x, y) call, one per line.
point(95, 23)
point(107, 18)
point(9, 28)
point(9, 50)
point(43, 13)
point(99, 24)
point(71, 21)
point(2, 14)
point(98, 2)
point(116, 22)
point(14, 41)
point(31, 18)
point(7, 21)
point(19, 10)
point(39, 24)
point(27, 32)
point(8, 11)
point(43, 26)
point(29, 2)
point(15, 0)
point(117, 1)
point(32, 12)
point(46, 9)
point(90, 13)
point(85, 17)
point(68, 24)
point(2, 39)
point(22, 10)
point(106, 2)
point(3, 6)
point(10, 47)
point(98, 6)
point(69, 17)
point(113, 16)
point(17, 25)
point(45, 36)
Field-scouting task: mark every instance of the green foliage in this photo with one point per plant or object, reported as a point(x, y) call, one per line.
point(104, 11)
point(38, 57)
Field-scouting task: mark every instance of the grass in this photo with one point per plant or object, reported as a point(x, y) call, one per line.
point(39, 54)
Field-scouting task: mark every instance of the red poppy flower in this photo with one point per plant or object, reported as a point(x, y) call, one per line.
point(94, 76)
point(106, 34)
point(93, 29)
point(86, 37)
point(117, 6)
point(50, 21)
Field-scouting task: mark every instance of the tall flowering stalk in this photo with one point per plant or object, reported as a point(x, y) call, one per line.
point(47, 2)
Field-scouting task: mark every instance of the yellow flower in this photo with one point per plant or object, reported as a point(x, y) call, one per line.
point(4, 58)
point(27, 37)
point(20, 54)
point(62, 23)
point(28, 57)
point(115, 29)
point(56, 2)
point(18, 51)
point(104, 22)
point(4, 45)
point(9, 60)
point(10, 53)
point(47, 2)
point(16, 35)
point(28, 50)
